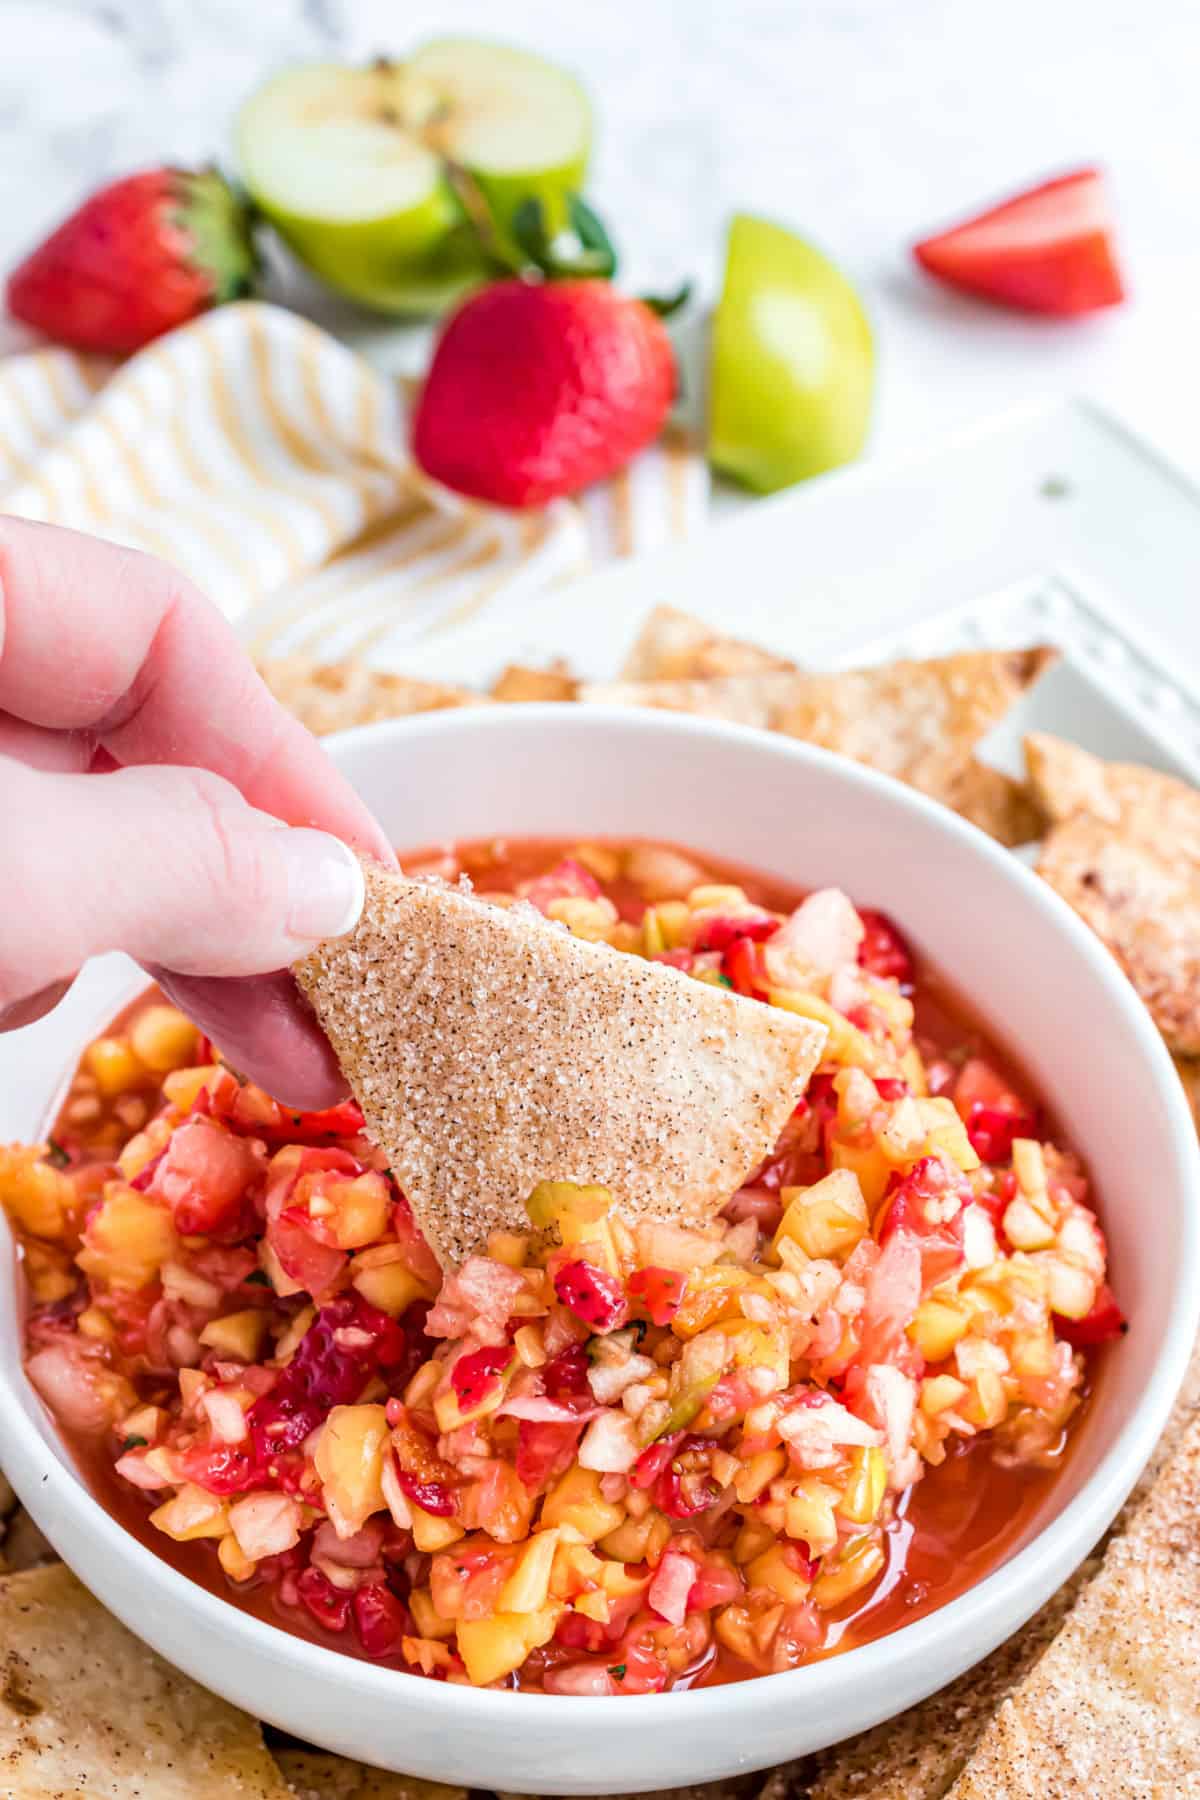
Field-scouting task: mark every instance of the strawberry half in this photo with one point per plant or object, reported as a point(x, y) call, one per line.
point(1049, 250)
point(538, 388)
point(136, 259)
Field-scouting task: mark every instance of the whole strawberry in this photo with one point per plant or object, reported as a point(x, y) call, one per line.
point(538, 388)
point(139, 257)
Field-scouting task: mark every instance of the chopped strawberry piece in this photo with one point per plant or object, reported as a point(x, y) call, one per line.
point(723, 930)
point(927, 1204)
point(475, 1376)
point(222, 1468)
point(743, 966)
point(592, 1294)
point(1048, 250)
point(891, 1087)
point(567, 880)
point(657, 1292)
point(652, 1462)
point(204, 1175)
point(545, 1450)
point(883, 950)
point(676, 959)
point(991, 1131)
point(565, 1376)
point(324, 1373)
point(1103, 1323)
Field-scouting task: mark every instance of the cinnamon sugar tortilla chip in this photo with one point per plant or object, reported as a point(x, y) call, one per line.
point(997, 803)
point(318, 1775)
point(334, 696)
point(673, 645)
point(918, 721)
point(1142, 899)
point(518, 683)
point(491, 1050)
point(1111, 1708)
point(1145, 803)
point(22, 1545)
point(88, 1710)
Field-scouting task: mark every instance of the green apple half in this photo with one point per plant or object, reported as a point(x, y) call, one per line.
point(351, 164)
point(793, 366)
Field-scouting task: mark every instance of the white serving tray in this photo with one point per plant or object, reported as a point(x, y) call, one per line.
point(1053, 525)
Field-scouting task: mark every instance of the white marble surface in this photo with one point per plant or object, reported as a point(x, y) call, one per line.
point(862, 122)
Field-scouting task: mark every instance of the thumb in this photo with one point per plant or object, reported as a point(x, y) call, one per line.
point(173, 867)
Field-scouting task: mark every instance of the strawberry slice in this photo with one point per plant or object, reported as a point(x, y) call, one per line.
point(1049, 250)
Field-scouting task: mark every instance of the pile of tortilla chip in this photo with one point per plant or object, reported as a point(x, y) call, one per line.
point(1098, 1695)
point(919, 721)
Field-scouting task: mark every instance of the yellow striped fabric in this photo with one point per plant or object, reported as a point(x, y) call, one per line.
point(271, 464)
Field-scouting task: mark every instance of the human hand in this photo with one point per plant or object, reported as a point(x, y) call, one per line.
point(156, 799)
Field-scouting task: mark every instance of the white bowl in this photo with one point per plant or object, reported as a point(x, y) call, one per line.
point(1006, 941)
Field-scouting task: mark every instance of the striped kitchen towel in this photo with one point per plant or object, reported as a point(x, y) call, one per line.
point(271, 464)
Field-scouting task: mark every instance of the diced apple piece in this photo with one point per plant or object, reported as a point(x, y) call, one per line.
point(937, 1327)
point(192, 1513)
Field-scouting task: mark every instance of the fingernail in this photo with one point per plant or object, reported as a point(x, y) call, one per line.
point(325, 885)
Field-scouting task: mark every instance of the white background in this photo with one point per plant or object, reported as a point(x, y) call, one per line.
point(861, 122)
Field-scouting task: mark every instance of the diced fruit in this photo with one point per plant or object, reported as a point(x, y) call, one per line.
point(163, 1038)
point(937, 1327)
point(1103, 1322)
point(792, 368)
point(828, 1219)
point(576, 1500)
point(35, 1195)
point(866, 1485)
point(238, 1334)
point(391, 1286)
point(349, 1461)
point(493, 1648)
point(354, 166)
point(431, 1534)
point(113, 1063)
point(528, 1586)
point(592, 1294)
point(192, 1513)
point(859, 1564)
point(657, 1292)
point(128, 1238)
point(774, 1570)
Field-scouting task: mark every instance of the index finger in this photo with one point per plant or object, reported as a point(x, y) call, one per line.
point(105, 641)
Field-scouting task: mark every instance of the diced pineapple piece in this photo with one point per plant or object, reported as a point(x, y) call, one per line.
point(912, 1068)
point(711, 1295)
point(757, 1473)
point(594, 1606)
point(578, 1213)
point(867, 1162)
point(1071, 1291)
point(509, 1247)
point(589, 919)
point(238, 1334)
point(860, 1562)
point(576, 1500)
point(431, 1534)
point(603, 861)
point(392, 1286)
point(941, 1392)
point(827, 1219)
point(987, 1402)
point(863, 1493)
point(753, 1538)
point(846, 1044)
point(903, 1137)
point(349, 1462)
point(128, 1239)
point(574, 1566)
point(530, 1346)
point(49, 1272)
point(1029, 1165)
point(772, 1570)
point(362, 1210)
point(236, 1564)
point(720, 897)
point(94, 1324)
point(113, 1063)
point(428, 1620)
point(493, 1648)
point(182, 1087)
point(937, 1326)
point(192, 1513)
point(163, 1038)
point(275, 1272)
point(528, 1586)
point(37, 1196)
point(946, 1133)
point(808, 1515)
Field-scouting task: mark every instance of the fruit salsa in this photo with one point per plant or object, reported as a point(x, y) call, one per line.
point(598, 1459)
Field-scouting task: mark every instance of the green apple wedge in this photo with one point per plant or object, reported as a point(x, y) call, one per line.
point(353, 166)
point(792, 361)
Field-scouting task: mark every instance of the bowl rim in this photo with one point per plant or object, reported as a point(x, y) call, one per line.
point(1058, 1546)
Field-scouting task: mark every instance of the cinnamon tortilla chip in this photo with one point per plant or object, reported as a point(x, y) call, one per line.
point(917, 721)
point(23, 1546)
point(491, 1050)
point(672, 645)
point(997, 803)
point(517, 683)
point(1145, 803)
point(1142, 899)
point(1111, 1709)
point(334, 696)
point(88, 1710)
point(319, 1775)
